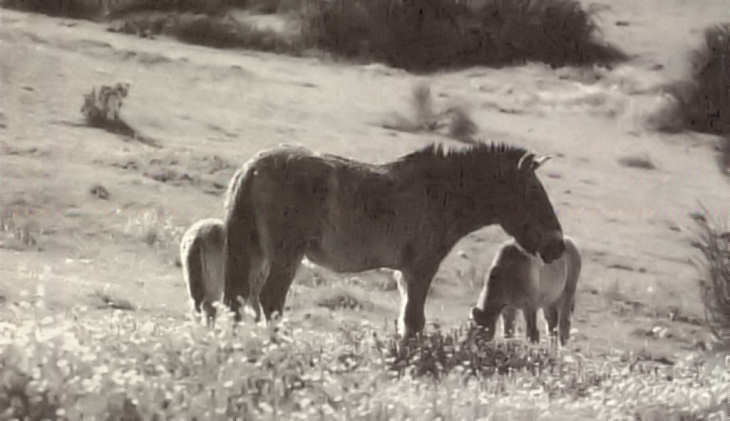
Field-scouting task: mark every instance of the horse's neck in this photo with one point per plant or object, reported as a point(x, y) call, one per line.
point(465, 204)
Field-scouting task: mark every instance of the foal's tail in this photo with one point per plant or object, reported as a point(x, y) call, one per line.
point(192, 259)
point(574, 266)
point(241, 239)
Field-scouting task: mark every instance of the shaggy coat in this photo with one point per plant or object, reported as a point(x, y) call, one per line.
point(518, 280)
point(351, 216)
point(201, 255)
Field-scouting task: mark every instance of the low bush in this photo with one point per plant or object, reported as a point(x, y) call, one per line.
point(86, 9)
point(703, 101)
point(439, 34)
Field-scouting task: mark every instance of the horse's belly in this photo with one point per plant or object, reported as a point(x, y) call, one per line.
point(551, 282)
point(354, 251)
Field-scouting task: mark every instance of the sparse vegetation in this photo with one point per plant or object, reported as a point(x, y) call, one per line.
point(419, 37)
point(703, 102)
point(86, 9)
point(16, 232)
point(102, 108)
point(449, 33)
point(155, 229)
point(637, 161)
point(714, 243)
point(424, 118)
point(105, 300)
point(122, 365)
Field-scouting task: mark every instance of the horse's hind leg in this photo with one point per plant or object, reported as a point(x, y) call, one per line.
point(533, 334)
point(281, 275)
point(509, 314)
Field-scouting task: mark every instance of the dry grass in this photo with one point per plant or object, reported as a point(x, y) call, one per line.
point(643, 162)
point(17, 233)
point(713, 241)
point(133, 365)
point(453, 121)
point(105, 300)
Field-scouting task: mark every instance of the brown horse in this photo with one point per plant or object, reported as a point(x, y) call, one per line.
point(350, 216)
point(518, 280)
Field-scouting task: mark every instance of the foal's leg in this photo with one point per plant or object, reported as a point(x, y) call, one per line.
point(551, 315)
point(508, 315)
point(567, 306)
point(533, 334)
point(281, 275)
point(413, 287)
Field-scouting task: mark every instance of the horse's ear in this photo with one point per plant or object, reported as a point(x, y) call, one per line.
point(541, 160)
point(526, 162)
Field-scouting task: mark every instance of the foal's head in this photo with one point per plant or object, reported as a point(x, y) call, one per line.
point(525, 212)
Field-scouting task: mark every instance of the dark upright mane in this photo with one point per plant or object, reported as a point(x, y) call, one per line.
point(476, 161)
point(477, 154)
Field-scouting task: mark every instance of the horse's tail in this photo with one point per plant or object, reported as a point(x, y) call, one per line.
point(241, 239)
point(574, 267)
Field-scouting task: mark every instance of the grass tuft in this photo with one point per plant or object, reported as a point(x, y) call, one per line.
point(713, 241)
point(425, 118)
point(637, 161)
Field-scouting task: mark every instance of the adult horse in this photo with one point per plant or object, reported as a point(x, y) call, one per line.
point(349, 216)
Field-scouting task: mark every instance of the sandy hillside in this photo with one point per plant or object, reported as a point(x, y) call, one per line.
point(210, 110)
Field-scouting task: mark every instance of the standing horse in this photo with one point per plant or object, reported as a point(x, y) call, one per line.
point(201, 255)
point(518, 280)
point(350, 216)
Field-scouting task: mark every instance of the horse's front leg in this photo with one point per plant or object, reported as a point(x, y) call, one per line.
point(533, 334)
point(566, 312)
point(413, 286)
point(509, 314)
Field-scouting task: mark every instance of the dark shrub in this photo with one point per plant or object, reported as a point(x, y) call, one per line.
point(86, 9)
point(708, 106)
point(436, 34)
point(703, 102)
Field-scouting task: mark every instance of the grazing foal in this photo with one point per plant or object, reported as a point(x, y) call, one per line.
point(518, 280)
point(201, 255)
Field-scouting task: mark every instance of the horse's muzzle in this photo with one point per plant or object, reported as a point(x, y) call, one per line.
point(552, 249)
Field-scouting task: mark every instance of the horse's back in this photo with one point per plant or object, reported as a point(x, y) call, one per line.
point(343, 213)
